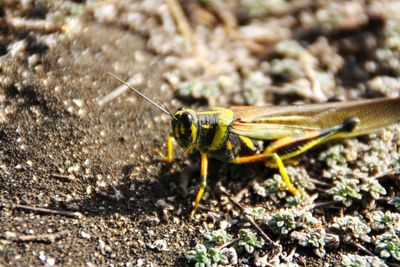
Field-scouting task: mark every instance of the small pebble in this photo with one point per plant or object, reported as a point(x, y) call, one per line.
point(85, 235)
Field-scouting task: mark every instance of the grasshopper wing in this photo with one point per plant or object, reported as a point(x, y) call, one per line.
point(274, 122)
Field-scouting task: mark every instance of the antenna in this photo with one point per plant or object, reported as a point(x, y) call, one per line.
point(163, 109)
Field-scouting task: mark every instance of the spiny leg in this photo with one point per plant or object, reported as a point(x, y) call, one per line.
point(298, 144)
point(324, 135)
point(203, 183)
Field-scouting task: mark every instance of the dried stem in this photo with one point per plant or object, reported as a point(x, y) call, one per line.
point(31, 25)
point(362, 248)
point(63, 177)
point(231, 27)
point(229, 243)
point(249, 219)
point(47, 211)
point(182, 23)
point(323, 204)
point(47, 238)
point(187, 33)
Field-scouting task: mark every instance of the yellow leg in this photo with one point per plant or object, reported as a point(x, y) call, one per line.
point(277, 162)
point(310, 139)
point(169, 158)
point(203, 183)
point(170, 147)
point(251, 159)
point(282, 171)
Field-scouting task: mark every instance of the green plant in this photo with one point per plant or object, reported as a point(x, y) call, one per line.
point(286, 220)
point(275, 187)
point(388, 245)
point(204, 257)
point(353, 226)
point(316, 239)
point(351, 260)
point(249, 240)
point(333, 156)
point(258, 213)
point(373, 187)
point(384, 220)
point(217, 238)
point(345, 191)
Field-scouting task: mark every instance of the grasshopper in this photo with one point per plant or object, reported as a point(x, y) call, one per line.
point(271, 134)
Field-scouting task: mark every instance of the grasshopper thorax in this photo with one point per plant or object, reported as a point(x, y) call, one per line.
point(184, 127)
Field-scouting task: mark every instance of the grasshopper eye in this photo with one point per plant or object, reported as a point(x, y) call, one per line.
point(187, 120)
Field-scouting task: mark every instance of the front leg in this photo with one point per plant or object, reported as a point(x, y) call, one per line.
point(203, 183)
point(169, 157)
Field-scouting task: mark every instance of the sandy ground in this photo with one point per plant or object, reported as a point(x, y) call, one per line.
point(116, 202)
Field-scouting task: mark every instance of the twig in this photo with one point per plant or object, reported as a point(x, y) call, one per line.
point(47, 238)
point(227, 244)
point(48, 211)
point(317, 92)
point(135, 80)
point(378, 175)
point(320, 190)
point(187, 33)
point(206, 227)
point(118, 196)
point(289, 257)
point(323, 204)
point(182, 23)
point(362, 248)
point(231, 25)
point(249, 219)
point(31, 25)
point(62, 177)
point(315, 181)
point(286, 8)
point(210, 210)
point(391, 264)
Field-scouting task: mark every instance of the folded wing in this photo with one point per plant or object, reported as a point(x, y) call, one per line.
point(273, 122)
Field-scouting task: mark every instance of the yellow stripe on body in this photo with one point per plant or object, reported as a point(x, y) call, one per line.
point(275, 119)
point(247, 141)
point(225, 118)
point(193, 128)
point(229, 145)
point(210, 112)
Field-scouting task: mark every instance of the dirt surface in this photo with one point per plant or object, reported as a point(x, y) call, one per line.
point(61, 151)
point(99, 166)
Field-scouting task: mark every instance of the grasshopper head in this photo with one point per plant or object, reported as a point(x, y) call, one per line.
point(184, 127)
